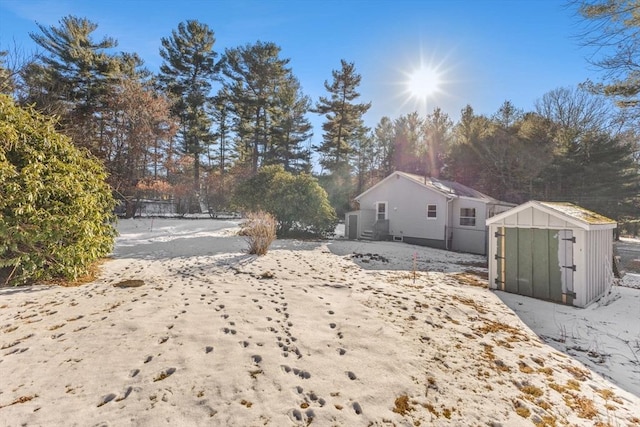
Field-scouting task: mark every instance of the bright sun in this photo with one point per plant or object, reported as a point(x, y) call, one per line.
point(423, 82)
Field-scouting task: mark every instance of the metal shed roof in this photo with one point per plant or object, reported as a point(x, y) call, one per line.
point(568, 212)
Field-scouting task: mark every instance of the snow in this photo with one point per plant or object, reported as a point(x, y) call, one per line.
point(315, 332)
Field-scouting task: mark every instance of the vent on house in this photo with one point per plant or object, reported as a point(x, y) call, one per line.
point(397, 238)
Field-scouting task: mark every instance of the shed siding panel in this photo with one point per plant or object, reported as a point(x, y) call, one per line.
point(541, 248)
point(556, 222)
point(598, 263)
point(540, 219)
point(525, 218)
point(511, 260)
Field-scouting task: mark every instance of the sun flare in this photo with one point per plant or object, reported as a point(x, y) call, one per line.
point(423, 82)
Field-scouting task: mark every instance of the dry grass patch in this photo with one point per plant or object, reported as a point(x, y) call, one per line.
point(471, 303)
point(132, 283)
point(490, 326)
point(541, 403)
point(490, 356)
point(546, 371)
point(525, 368)
point(531, 390)
point(471, 278)
point(402, 405)
point(578, 373)
point(93, 271)
point(573, 385)
point(538, 360)
point(21, 399)
point(583, 406)
point(608, 394)
point(546, 421)
point(523, 411)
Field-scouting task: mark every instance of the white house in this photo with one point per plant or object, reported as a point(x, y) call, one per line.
point(553, 251)
point(424, 211)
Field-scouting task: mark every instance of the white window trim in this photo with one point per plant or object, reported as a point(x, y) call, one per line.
point(430, 218)
point(386, 210)
point(475, 218)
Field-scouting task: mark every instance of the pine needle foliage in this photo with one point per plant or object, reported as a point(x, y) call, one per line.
point(55, 206)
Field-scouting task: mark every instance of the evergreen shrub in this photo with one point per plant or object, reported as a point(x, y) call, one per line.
point(56, 209)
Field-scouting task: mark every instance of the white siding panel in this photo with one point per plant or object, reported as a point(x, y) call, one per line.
point(598, 270)
point(366, 220)
point(407, 208)
point(525, 218)
point(469, 238)
point(540, 219)
point(556, 222)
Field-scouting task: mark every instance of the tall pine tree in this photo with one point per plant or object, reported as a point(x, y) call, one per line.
point(187, 73)
point(343, 118)
point(73, 77)
point(268, 107)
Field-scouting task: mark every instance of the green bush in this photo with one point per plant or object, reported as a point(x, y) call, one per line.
point(55, 206)
point(297, 202)
point(259, 228)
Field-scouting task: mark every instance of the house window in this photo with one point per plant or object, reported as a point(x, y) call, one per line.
point(381, 211)
point(468, 216)
point(432, 211)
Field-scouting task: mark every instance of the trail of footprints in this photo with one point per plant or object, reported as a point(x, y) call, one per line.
point(273, 292)
point(186, 274)
point(272, 302)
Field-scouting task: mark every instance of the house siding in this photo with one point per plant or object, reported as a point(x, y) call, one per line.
point(407, 203)
point(469, 238)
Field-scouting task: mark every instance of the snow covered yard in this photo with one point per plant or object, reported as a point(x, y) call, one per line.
point(183, 328)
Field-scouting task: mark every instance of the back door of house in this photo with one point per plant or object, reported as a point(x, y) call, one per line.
point(532, 262)
point(353, 227)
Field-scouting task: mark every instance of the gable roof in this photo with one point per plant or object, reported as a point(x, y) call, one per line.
point(449, 189)
point(568, 212)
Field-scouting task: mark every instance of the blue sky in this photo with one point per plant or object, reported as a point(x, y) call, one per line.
point(485, 51)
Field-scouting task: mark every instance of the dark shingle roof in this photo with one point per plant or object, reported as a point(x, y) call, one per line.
point(447, 187)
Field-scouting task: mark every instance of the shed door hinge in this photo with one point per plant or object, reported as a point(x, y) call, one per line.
point(571, 267)
point(571, 239)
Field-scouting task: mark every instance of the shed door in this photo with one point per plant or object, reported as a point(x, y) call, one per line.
point(531, 261)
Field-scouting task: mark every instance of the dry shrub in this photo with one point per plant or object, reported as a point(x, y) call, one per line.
point(259, 229)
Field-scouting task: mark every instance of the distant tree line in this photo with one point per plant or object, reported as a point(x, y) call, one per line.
point(208, 122)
